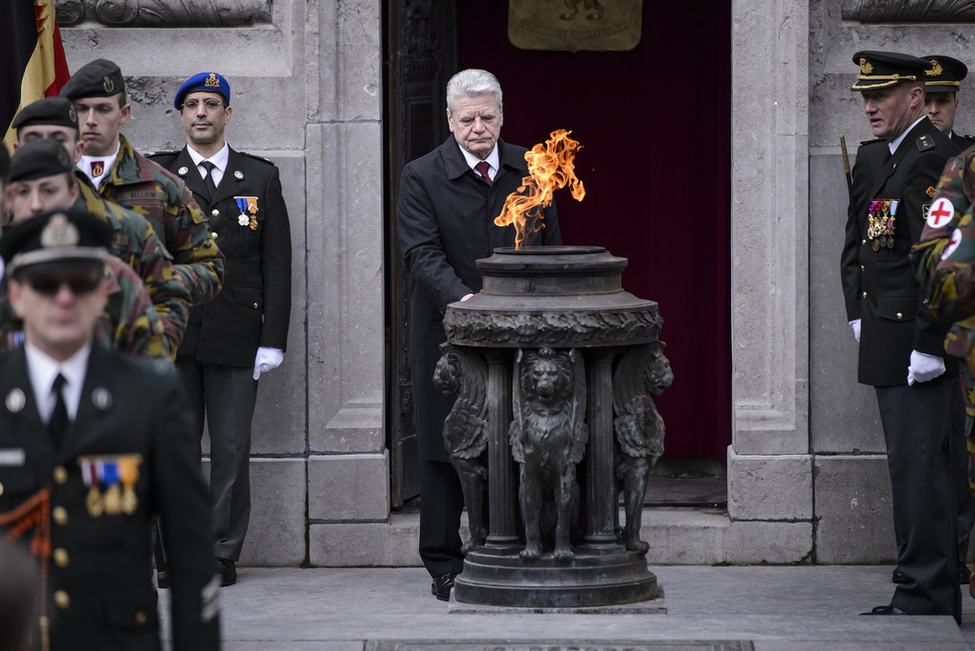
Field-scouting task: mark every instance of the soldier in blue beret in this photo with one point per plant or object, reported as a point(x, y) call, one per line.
point(243, 331)
point(901, 352)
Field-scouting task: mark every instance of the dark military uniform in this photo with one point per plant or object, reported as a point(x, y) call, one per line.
point(138, 184)
point(891, 197)
point(98, 590)
point(252, 310)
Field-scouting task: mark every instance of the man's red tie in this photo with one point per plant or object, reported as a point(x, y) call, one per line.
point(482, 169)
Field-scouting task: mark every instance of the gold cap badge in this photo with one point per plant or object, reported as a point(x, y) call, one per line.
point(865, 66)
point(59, 232)
point(936, 69)
point(212, 81)
point(108, 84)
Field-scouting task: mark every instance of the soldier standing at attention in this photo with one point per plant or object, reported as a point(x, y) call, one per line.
point(243, 332)
point(125, 177)
point(95, 445)
point(941, 84)
point(134, 240)
point(901, 352)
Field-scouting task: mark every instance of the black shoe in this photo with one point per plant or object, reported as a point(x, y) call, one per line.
point(889, 609)
point(227, 571)
point(442, 584)
point(899, 577)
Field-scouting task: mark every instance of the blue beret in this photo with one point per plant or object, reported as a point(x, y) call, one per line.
point(209, 82)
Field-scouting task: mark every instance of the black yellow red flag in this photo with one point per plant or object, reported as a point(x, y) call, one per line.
point(32, 54)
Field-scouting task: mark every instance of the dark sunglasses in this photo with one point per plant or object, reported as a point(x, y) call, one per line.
point(51, 285)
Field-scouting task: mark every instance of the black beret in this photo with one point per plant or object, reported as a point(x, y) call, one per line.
point(4, 162)
point(38, 159)
point(945, 74)
point(54, 241)
point(52, 111)
point(100, 78)
point(885, 69)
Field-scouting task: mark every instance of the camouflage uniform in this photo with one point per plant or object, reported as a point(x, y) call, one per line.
point(129, 323)
point(136, 244)
point(163, 199)
point(949, 293)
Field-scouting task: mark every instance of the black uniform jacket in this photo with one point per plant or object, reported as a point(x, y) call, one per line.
point(254, 307)
point(445, 217)
point(879, 286)
point(99, 590)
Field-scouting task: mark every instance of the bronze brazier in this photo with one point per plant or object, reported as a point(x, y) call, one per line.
point(553, 364)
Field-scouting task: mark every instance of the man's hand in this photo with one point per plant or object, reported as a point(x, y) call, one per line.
point(924, 367)
point(855, 324)
point(267, 359)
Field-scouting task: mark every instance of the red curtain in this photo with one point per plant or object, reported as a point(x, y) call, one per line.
point(655, 125)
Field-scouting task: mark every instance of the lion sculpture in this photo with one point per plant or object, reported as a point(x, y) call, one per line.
point(639, 430)
point(465, 431)
point(548, 438)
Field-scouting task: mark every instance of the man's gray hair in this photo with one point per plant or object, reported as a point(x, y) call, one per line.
point(471, 82)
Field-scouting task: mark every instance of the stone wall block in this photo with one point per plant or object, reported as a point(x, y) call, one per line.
point(854, 509)
point(348, 487)
point(365, 544)
point(770, 487)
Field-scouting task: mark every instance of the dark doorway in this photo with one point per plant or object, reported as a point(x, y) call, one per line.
point(655, 124)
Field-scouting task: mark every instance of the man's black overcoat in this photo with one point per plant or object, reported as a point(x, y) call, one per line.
point(445, 218)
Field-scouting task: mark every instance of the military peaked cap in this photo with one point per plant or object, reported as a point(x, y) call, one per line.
point(56, 240)
point(40, 158)
point(209, 82)
point(945, 74)
point(885, 69)
point(53, 111)
point(100, 78)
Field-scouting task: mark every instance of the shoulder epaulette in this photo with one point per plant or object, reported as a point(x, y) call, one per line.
point(925, 142)
point(256, 157)
point(871, 141)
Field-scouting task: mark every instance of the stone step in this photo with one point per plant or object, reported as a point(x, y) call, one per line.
point(677, 536)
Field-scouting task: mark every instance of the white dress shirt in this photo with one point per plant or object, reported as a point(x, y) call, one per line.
point(493, 159)
point(43, 369)
point(220, 160)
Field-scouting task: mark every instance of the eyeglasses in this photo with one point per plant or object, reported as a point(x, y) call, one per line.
point(50, 285)
point(210, 105)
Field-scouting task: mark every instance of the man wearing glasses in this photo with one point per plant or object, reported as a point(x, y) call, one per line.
point(243, 332)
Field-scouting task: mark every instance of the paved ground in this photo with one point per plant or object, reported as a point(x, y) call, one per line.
point(787, 608)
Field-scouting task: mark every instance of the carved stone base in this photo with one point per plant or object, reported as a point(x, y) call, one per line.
point(501, 578)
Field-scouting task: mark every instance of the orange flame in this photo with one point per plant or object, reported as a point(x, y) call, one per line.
point(550, 166)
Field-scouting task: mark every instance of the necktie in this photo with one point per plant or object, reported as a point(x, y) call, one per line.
point(482, 169)
point(59, 417)
point(208, 180)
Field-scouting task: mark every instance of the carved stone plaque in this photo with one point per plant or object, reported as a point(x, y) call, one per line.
point(164, 13)
point(574, 25)
point(909, 11)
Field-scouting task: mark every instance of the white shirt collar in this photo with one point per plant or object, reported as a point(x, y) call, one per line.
point(42, 369)
point(85, 165)
point(493, 159)
point(220, 160)
point(892, 146)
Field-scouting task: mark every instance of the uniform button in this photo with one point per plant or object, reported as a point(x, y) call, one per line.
point(255, 306)
point(864, 242)
point(60, 515)
point(1, 489)
point(61, 557)
point(60, 474)
point(213, 235)
point(861, 268)
point(215, 212)
point(140, 618)
point(864, 294)
point(900, 316)
point(62, 599)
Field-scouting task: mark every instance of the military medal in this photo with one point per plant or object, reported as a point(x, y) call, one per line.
point(90, 474)
point(248, 211)
point(112, 495)
point(129, 474)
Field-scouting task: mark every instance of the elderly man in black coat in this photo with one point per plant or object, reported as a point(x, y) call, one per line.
point(448, 201)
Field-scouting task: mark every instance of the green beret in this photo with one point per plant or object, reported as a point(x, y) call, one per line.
point(50, 111)
point(100, 78)
point(39, 159)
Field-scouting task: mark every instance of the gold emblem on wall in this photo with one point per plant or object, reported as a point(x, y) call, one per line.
point(575, 25)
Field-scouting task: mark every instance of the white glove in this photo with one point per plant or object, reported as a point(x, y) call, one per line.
point(855, 324)
point(924, 367)
point(267, 359)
